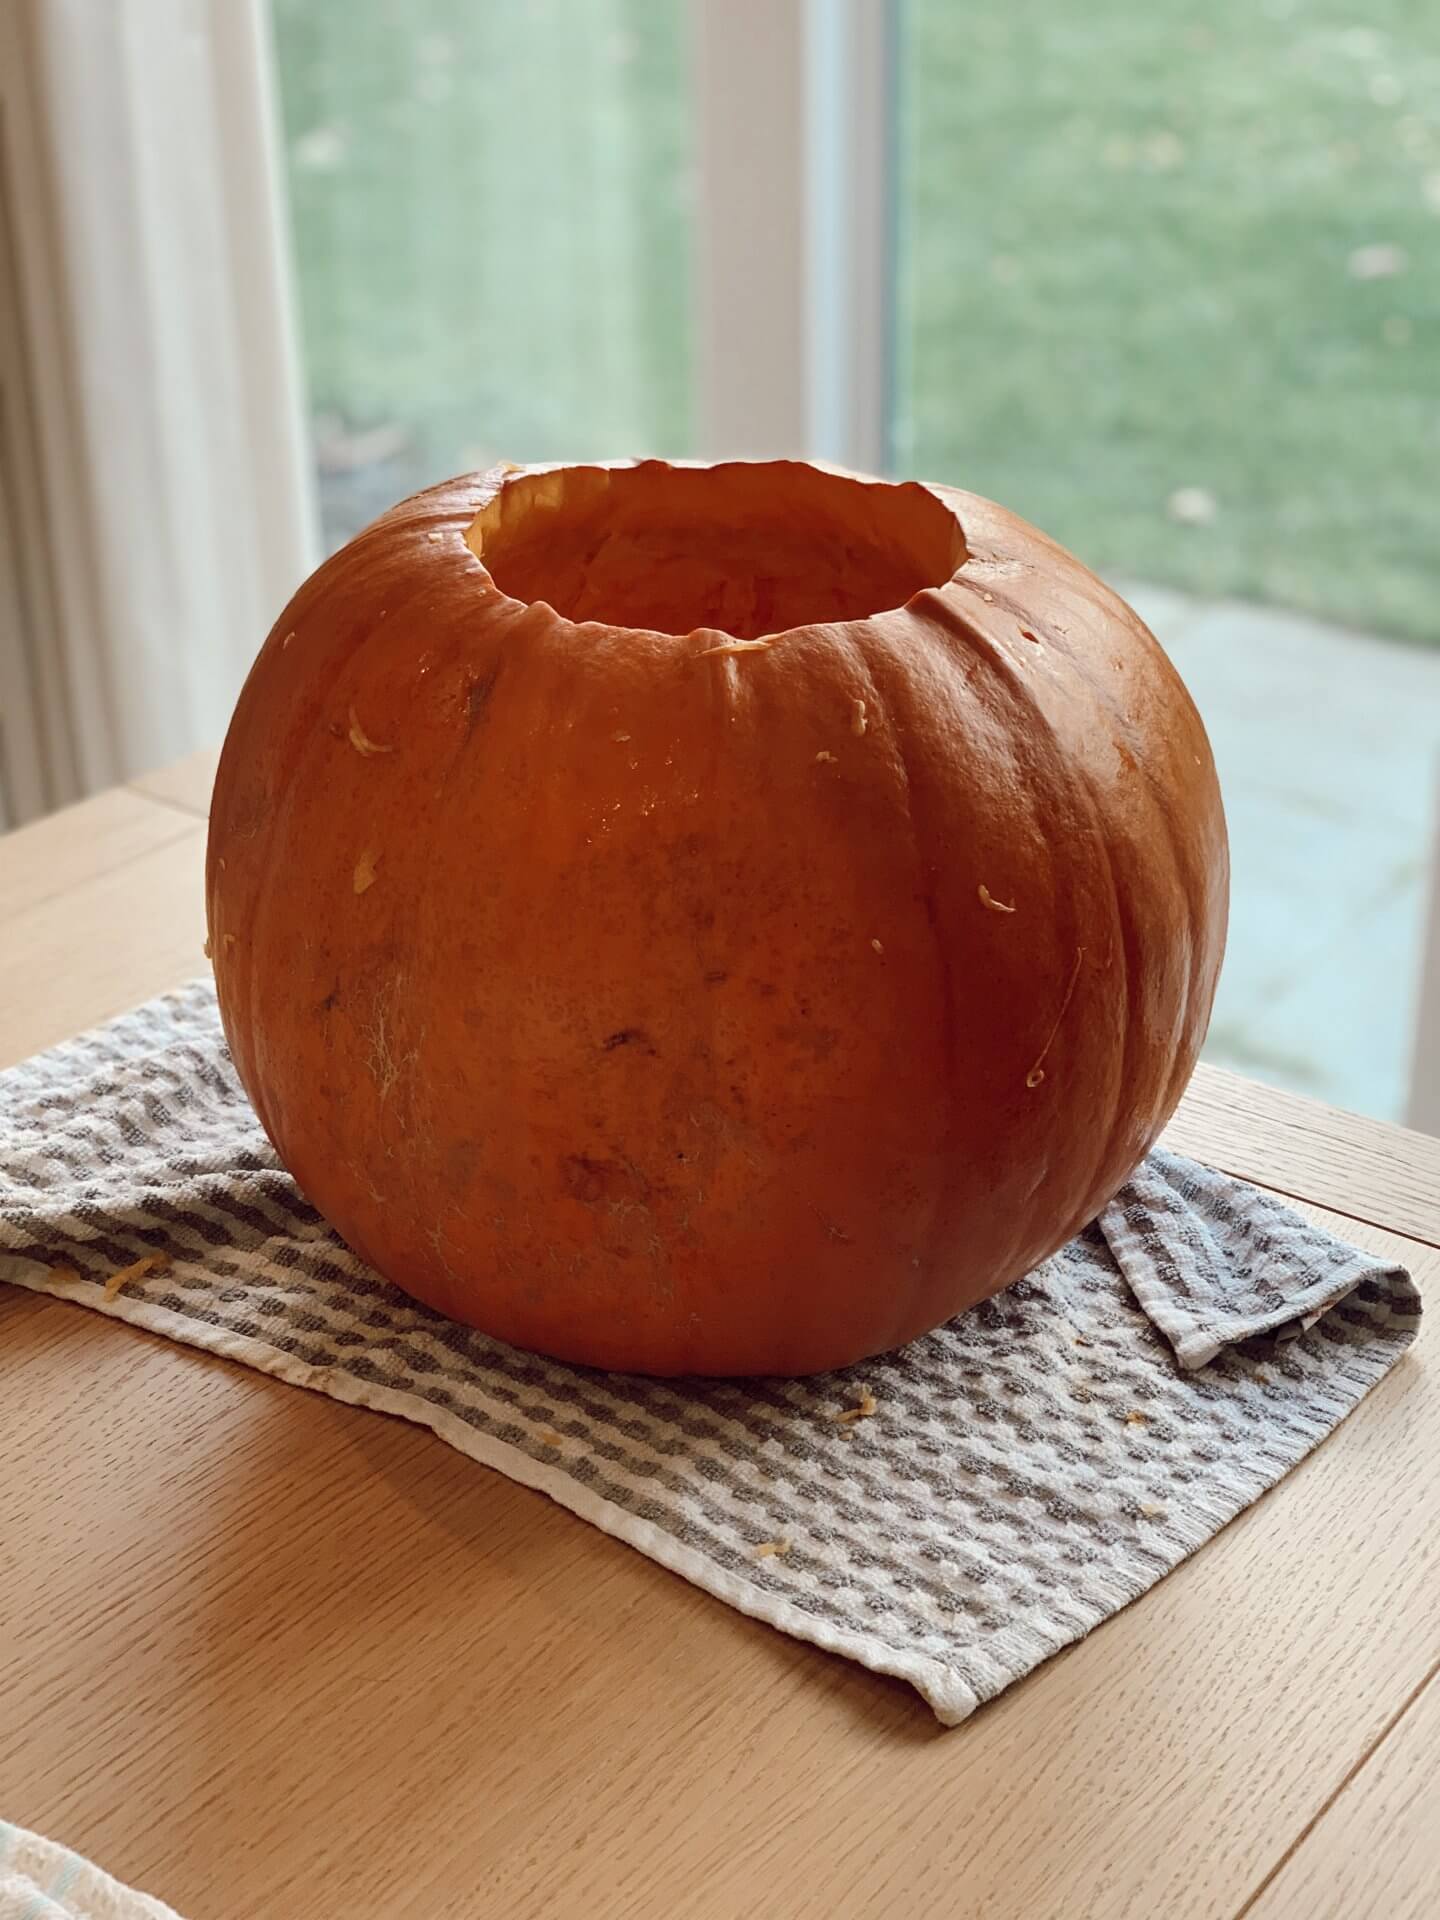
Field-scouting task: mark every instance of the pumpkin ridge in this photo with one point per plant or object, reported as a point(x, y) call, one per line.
point(923, 845)
point(1062, 782)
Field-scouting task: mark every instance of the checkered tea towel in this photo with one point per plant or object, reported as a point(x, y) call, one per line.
point(954, 1513)
point(40, 1881)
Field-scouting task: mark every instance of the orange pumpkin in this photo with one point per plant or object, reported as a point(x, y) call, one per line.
point(712, 919)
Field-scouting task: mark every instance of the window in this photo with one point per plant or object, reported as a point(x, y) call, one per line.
point(1169, 285)
point(491, 234)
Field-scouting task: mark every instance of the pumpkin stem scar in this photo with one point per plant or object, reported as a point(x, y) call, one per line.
point(1037, 1072)
point(987, 899)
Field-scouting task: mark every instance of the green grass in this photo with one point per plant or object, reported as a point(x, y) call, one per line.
point(488, 204)
point(1125, 273)
point(1123, 264)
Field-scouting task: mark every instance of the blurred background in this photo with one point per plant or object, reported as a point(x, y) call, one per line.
point(1166, 282)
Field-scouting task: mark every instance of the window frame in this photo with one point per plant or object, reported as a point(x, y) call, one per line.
point(793, 295)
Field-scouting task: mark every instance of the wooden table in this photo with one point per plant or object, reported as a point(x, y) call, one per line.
point(274, 1658)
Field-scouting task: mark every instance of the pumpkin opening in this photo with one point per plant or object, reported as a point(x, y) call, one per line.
point(748, 549)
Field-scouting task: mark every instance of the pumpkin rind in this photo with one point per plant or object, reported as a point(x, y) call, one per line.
point(681, 1006)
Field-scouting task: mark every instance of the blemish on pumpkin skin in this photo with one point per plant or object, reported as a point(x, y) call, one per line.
point(362, 742)
point(477, 693)
point(859, 720)
point(384, 1063)
point(1037, 1072)
point(824, 759)
point(987, 899)
point(598, 1182)
point(716, 977)
point(286, 641)
point(365, 868)
point(461, 1159)
point(820, 1042)
point(737, 646)
point(628, 1037)
point(833, 1229)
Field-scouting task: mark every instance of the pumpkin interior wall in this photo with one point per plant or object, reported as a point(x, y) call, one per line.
point(626, 548)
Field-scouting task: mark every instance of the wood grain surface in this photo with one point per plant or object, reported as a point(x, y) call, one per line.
point(108, 944)
point(270, 1656)
point(89, 841)
point(187, 784)
point(1376, 1851)
point(1368, 1168)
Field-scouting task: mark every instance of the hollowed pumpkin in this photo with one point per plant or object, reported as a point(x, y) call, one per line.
point(718, 919)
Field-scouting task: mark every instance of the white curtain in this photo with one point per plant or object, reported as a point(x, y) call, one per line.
point(171, 493)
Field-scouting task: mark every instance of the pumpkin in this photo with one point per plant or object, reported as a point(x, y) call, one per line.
point(718, 919)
